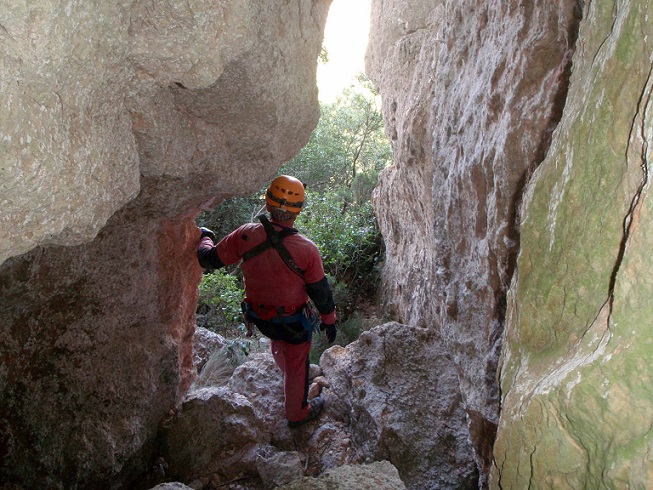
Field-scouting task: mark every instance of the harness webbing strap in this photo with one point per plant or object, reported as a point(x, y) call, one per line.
point(275, 240)
point(263, 246)
point(308, 316)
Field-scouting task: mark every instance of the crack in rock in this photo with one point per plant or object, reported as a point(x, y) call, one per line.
point(643, 106)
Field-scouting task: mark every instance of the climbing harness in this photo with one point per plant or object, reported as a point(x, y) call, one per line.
point(275, 240)
point(308, 315)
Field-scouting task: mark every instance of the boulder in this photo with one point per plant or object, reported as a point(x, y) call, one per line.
point(236, 429)
point(261, 382)
point(380, 475)
point(279, 468)
point(205, 343)
point(394, 392)
point(215, 431)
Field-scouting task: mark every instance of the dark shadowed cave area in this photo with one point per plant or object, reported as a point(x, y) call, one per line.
point(515, 219)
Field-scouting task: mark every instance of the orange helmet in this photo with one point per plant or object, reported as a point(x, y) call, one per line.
point(287, 193)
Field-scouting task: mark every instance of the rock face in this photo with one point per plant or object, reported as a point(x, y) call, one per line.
point(577, 370)
point(89, 368)
point(380, 476)
point(395, 391)
point(238, 432)
point(471, 94)
point(119, 123)
point(100, 101)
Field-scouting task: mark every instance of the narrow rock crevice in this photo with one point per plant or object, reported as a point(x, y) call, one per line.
point(637, 131)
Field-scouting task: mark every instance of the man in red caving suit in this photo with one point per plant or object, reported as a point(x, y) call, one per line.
point(281, 270)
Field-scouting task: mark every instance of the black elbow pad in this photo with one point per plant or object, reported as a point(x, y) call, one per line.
point(208, 258)
point(320, 293)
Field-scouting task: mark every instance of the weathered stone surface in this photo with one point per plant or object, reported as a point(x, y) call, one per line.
point(215, 431)
point(314, 370)
point(279, 468)
point(205, 343)
point(471, 93)
point(69, 158)
point(395, 390)
point(125, 119)
point(95, 95)
point(577, 371)
point(88, 367)
point(374, 410)
point(171, 486)
point(378, 476)
point(261, 382)
point(238, 430)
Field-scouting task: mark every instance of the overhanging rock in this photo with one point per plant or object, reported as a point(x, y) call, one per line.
point(120, 121)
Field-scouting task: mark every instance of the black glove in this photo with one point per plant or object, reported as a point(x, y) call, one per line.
point(208, 233)
point(329, 331)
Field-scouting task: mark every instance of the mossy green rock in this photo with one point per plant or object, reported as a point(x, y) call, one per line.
point(577, 361)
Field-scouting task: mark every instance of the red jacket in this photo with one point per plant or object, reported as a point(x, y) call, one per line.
point(268, 280)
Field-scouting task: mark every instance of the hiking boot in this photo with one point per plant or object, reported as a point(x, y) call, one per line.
point(315, 405)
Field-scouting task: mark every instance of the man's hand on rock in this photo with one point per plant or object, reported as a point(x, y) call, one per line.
point(208, 233)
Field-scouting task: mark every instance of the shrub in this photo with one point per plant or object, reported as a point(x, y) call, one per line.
point(220, 298)
point(348, 240)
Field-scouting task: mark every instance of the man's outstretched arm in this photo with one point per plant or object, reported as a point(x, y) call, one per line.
point(207, 252)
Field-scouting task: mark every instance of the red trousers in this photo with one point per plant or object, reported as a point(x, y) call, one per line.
point(292, 359)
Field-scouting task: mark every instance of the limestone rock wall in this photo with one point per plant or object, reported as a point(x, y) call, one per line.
point(96, 95)
point(69, 159)
point(471, 93)
point(577, 370)
point(90, 366)
point(119, 123)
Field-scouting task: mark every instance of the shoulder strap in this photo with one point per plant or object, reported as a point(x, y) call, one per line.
point(274, 240)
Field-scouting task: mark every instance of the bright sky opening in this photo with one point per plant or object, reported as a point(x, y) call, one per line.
point(345, 39)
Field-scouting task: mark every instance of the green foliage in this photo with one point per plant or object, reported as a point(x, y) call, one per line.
point(220, 296)
point(340, 165)
point(232, 213)
point(349, 141)
point(323, 57)
point(341, 295)
point(348, 240)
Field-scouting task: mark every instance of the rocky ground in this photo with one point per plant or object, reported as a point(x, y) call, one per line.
point(230, 431)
